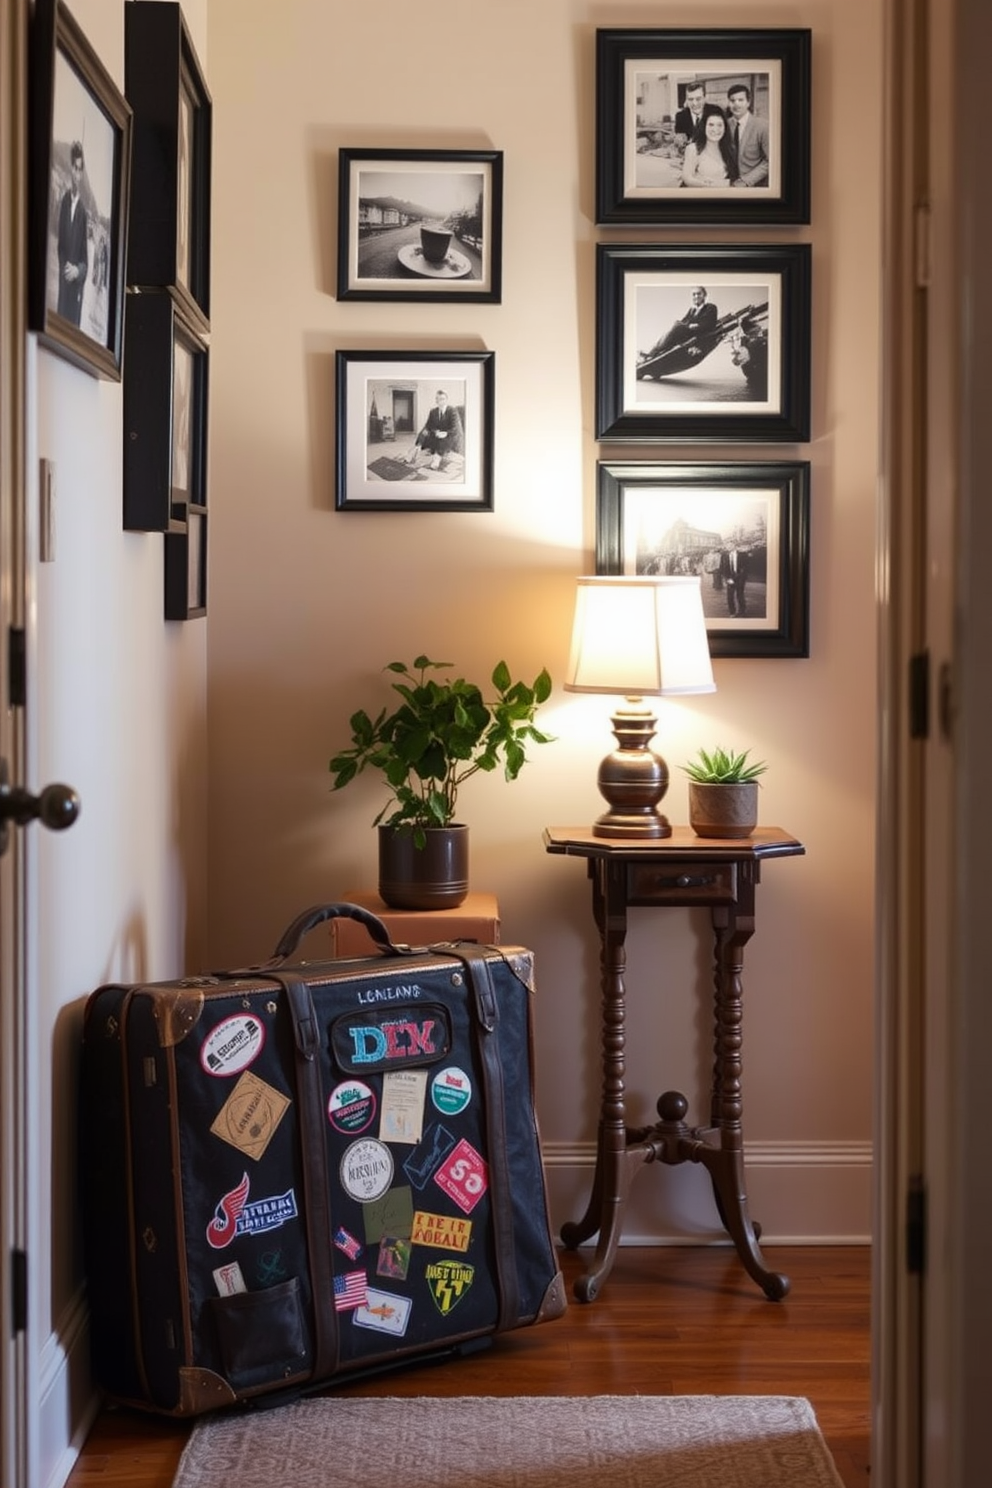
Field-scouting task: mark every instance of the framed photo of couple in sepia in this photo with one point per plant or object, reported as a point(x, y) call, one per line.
point(702, 126)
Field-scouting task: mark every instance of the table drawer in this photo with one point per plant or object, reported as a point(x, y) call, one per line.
point(681, 883)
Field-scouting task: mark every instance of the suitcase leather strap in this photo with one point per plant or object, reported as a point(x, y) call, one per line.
point(320, 1232)
point(475, 959)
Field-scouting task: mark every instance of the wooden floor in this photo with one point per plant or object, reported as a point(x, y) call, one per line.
point(680, 1321)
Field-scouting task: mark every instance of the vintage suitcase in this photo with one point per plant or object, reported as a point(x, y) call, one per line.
point(298, 1172)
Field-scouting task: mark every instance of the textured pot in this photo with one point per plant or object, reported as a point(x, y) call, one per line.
point(723, 810)
point(434, 876)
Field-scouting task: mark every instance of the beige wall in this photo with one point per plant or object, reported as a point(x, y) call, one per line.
point(306, 605)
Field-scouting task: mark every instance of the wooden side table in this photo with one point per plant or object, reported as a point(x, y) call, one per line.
point(681, 870)
point(476, 918)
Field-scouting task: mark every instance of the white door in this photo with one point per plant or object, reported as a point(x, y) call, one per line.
point(56, 806)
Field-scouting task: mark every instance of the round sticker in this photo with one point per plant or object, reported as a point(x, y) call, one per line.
point(232, 1045)
point(451, 1090)
point(366, 1170)
point(351, 1107)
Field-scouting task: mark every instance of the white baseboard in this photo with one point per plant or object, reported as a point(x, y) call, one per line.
point(803, 1193)
point(68, 1401)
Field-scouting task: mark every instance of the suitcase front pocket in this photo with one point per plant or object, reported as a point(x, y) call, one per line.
point(262, 1335)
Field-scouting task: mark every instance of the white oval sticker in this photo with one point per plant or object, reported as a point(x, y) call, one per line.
point(233, 1045)
point(366, 1170)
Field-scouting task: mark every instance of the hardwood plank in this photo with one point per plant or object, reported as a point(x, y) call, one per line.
point(680, 1321)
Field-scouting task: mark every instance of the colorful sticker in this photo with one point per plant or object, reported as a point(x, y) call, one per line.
point(347, 1243)
point(364, 1043)
point(390, 1215)
point(394, 1257)
point(448, 1282)
point(250, 1115)
point(235, 1216)
point(229, 1280)
point(442, 1231)
point(366, 1170)
point(349, 1291)
point(233, 1045)
point(422, 1163)
point(351, 1107)
point(451, 1090)
point(384, 1311)
point(403, 1095)
point(464, 1176)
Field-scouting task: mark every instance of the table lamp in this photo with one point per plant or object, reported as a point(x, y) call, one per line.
point(637, 637)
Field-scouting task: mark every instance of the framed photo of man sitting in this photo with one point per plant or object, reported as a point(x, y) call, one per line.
point(702, 126)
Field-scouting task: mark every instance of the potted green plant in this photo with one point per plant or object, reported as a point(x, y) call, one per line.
point(723, 793)
point(442, 732)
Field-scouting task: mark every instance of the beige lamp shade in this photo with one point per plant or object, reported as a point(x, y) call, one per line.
point(639, 637)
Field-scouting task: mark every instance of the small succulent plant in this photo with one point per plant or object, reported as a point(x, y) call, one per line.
point(723, 767)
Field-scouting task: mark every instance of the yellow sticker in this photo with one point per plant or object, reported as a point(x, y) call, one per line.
point(443, 1231)
point(250, 1115)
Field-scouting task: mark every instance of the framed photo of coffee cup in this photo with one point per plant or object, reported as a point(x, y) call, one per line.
point(420, 225)
point(702, 343)
point(702, 126)
point(415, 431)
point(80, 174)
point(742, 528)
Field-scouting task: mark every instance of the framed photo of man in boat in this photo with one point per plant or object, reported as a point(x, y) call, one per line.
point(420, 225)
point(702, 343)
point(702, 126)
point(743, 529)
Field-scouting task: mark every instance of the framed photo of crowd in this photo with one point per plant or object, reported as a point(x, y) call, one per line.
point(80, 175)
point(702, 126)
point(699, 343)
point(742, 528)
point(415, 431)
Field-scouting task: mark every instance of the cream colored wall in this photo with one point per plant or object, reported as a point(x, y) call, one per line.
point(306, 605)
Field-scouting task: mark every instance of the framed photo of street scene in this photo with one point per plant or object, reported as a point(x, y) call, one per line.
point(702, 343)
point(420, 225)
point(169, 231)
point(702, 126)
point(80, 173)
point(415, 431)
point(743, 528)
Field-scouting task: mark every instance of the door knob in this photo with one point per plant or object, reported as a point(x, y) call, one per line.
point(56, 807)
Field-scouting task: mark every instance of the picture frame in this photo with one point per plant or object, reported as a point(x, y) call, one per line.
point(186, 568)
point(420, 225)
point(169, 232)
point(166, 374)
point(654, 90)
point(389, 456)
point(691, 518)
point(737, 369)
point(80, 140)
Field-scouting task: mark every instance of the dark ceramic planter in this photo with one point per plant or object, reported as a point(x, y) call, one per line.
point(723, 810)
point(434, 876)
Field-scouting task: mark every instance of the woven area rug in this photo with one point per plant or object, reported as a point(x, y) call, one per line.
point(610, 1441)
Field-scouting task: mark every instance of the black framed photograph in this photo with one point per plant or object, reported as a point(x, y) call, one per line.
point(169, 232)
point(415, 431)
point(165, 414)
point(742, 528)
point(702, 343)
point(420, 225)
point(186, 568)
point(702, 126)
point(80, 174)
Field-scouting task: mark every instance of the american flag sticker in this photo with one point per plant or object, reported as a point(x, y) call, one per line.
point(346, 1242)
point(350, 1290)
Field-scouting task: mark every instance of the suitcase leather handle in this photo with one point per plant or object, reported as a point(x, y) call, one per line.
point(318, 913)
